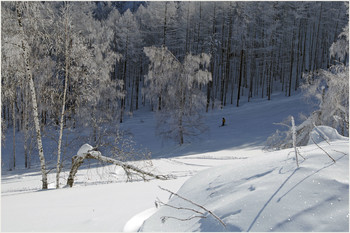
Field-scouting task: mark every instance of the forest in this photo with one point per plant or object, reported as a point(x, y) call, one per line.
point(87, 66)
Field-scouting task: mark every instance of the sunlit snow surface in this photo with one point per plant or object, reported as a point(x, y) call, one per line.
point(84, 149)
point(268, 193)
point(225, 170)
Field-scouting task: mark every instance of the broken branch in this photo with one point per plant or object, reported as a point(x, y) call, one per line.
point(91, 154)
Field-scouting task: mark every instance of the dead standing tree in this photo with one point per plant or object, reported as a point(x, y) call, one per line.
point(88, 152)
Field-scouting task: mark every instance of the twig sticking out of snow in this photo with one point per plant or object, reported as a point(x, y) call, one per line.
point(294, 136)
point(320, 134)
point(340, 152)
point(300, 154)
point(180, 208)
point(322, 149)
point(164, 218)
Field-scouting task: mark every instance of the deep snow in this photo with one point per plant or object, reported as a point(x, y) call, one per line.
point(250, 189)
point(268, 193)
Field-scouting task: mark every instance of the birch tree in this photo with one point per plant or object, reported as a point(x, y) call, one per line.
point(66, 71)
point(26, 59)
point(14, 91)
point(88, 62)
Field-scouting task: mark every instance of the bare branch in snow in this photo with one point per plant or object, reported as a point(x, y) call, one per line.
point(193, 203)
point(322, 149)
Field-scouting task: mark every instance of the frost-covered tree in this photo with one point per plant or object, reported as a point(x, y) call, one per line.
point(340, 49)
point(161, 20)
point(329, 90)
point(66, 74)
point(128, 43)
point(178, 86)
point(12, 74)
point(280, 41)
point(68, 54)
point(15, 98)
point(283, 139)
point(330, 87)
point(75, 68)
point(11, 77)
point(28, 70)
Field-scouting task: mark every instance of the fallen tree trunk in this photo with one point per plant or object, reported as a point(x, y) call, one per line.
point(77, 160)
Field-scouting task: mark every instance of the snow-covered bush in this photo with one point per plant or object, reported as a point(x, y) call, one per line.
point(330, 90)
point(284, 139)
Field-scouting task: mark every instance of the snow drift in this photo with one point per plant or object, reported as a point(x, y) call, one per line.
point(324, 133)
point(269, 194)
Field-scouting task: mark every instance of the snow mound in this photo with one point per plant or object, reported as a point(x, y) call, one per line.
point(84, 149)
point(267, 194)
point(324, 133)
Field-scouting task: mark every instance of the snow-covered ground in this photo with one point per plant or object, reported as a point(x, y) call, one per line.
point(225, 170)
point(266, 193)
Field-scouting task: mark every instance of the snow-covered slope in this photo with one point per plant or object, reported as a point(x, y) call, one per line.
point(268, 193)
point(240, 174)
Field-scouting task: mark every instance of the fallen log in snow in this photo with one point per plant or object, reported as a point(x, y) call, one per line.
point(88, 152)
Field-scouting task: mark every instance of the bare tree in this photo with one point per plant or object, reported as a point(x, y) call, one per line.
point(178, 85)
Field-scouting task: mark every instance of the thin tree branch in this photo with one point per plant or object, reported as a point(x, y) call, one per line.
point(322, 149)
point(321, 135)
point(164, 218)
point(193, 203)
point(180, 208)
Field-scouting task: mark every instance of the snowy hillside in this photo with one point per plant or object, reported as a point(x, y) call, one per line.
point(268, 193)
point(174, 116)
point(225, 170)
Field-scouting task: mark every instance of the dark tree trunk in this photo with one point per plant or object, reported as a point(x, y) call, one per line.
point(240, 78)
